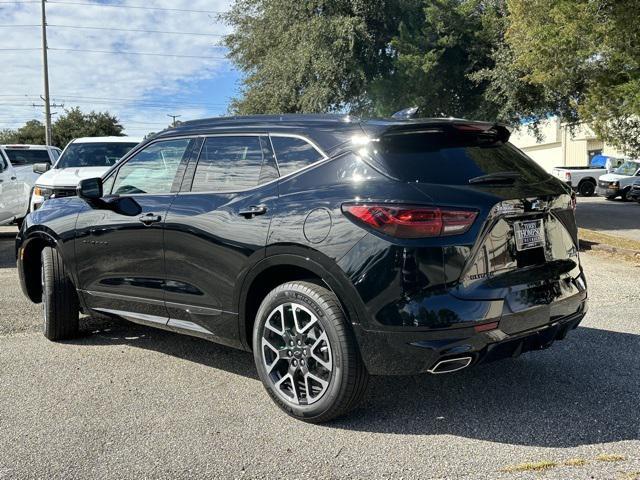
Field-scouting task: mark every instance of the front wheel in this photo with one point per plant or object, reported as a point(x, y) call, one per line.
point(59, 298)
point(305, 353)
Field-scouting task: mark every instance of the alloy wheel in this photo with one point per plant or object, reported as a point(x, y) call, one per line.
point(296, 354)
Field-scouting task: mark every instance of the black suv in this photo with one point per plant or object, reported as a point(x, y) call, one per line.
point(331, 247)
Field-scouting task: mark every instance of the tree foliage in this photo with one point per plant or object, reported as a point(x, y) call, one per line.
point(510, 60)
point(575, 59)
point(363, 56)
point(72, 124)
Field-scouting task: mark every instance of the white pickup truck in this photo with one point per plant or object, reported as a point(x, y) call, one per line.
point(14, 193)
point(583, 180)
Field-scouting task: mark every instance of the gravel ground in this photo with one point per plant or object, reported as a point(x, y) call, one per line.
point(124, 401)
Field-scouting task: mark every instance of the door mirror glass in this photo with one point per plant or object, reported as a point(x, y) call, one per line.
point(90, 188)
point(41, 167)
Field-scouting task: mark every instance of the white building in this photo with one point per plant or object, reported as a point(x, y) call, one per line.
point(559, 147)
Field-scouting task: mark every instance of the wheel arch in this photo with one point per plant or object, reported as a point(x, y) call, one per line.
point(29, 262)
point(587, 179)
point(281, 267)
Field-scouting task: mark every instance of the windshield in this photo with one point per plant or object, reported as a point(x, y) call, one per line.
point(22, 156)
point(93, 154)
point(454, 160)
point(628, 168)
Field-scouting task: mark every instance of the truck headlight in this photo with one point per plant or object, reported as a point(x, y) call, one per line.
point(42, 192)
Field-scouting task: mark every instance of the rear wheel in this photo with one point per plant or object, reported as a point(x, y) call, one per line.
point(587, 188)
point(305, 353)
point(59, 298)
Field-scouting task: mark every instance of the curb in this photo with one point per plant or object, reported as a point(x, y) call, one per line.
point(586, 245)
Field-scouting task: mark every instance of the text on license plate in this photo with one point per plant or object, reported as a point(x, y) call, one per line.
point(529, 234)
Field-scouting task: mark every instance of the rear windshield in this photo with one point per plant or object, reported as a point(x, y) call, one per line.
point(93, 154)
point(452, 160)
point(19, 156)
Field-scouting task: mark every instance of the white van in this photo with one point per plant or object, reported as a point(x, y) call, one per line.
point(618, 183)
point(82, 158)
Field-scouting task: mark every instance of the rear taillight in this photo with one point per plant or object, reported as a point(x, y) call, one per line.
point(567, 176)
point(405, 221)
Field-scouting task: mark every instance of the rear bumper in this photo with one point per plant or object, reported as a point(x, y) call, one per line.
point(409, 353)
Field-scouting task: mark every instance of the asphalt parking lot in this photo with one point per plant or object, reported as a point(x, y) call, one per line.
point(613, 217)
point(125, 401)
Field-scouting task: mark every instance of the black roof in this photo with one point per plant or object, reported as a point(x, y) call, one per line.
point(326, 130)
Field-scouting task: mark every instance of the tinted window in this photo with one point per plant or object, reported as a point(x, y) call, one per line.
point(93, 154)
point(152, 170)
point(228, 164)
point(453, 160)
point(19, 156)
point(293, 154)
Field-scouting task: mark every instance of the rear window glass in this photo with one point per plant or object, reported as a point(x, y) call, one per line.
point(293, 154)
point(19, 156)
point(451, 160)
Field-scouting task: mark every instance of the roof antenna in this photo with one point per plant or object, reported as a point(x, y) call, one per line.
point(405, 113)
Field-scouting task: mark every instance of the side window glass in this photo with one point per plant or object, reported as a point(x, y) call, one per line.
point(107, 185)
point(293, 154)
point(152, 170)
point(228, 164)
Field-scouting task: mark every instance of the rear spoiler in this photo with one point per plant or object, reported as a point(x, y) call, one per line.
point(490, 131)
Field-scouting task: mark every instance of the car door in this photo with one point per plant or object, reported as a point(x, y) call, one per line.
point(216, 228)
point(119, 255)
point(10, 193)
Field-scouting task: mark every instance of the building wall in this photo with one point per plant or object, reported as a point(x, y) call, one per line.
point(559, 145)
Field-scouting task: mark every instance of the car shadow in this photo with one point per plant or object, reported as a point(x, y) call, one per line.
point(584, 390)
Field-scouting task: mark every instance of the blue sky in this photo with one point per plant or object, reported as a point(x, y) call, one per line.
point(140, 89)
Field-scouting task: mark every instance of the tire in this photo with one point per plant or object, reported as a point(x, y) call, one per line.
point(624, 194)
point(327, 353)
point(59, 298)
point(587, 188)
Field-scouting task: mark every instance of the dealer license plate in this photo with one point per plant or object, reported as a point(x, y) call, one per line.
point(529, 234)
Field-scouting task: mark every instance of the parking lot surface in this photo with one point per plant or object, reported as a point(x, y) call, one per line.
point(613, 217)
point(125, 401)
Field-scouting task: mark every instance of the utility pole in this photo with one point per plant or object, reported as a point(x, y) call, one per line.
point(45, 66)
point(174, 119)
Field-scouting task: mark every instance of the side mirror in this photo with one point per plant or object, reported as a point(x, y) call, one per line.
point(41, 167)
point(90, 188)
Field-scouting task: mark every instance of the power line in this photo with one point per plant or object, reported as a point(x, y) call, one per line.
point(17, 49)
point(139, 7)
point(136, 30)
point(113, 52)
point(88, 27)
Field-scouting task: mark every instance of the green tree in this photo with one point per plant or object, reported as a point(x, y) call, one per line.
point(309, 55)
point(31, 132)
point(364, 56)
point(72, 124)
point(576, 59)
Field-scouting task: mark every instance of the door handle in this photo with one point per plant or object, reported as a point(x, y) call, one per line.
point(13, 178)
point(253, 210)
point(149, 218)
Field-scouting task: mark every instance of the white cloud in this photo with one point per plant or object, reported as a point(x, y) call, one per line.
point(135, 87)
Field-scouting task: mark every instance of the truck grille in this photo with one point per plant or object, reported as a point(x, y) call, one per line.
point(63, 192)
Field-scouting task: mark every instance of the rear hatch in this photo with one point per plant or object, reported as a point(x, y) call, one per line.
point(523, 248)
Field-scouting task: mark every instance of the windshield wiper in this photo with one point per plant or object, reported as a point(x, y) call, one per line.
point(497, 177)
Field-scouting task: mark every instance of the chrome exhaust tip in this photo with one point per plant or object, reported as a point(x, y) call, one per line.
point(450, 365)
